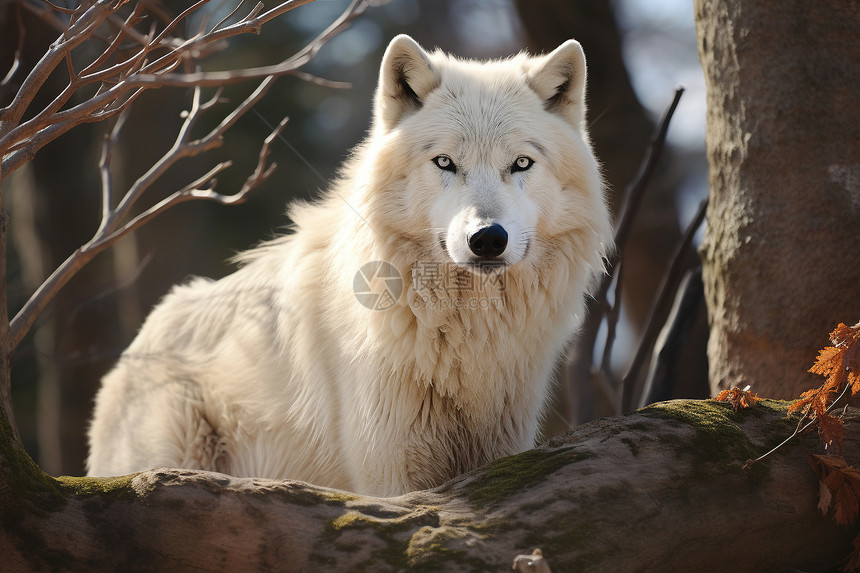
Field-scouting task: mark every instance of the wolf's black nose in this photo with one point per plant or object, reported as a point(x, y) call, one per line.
point(489, 242)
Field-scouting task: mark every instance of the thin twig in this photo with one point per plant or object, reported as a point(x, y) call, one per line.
point(798, 430)
point(108, 146)
point(19, 142)
point(44, 13)
point(582, 361)
point(666, 293)
point(34, 81)
point(286, 67)
point(233, 13)
point(635, 194)
point(193, 191)
point(643, 179)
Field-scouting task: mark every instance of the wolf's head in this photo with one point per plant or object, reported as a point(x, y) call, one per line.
point(487, 164)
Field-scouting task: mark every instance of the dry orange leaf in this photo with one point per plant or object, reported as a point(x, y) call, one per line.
point(839, 364)
point(739, 398)
point(831, 430)
point(839, 483)
point(839, 487)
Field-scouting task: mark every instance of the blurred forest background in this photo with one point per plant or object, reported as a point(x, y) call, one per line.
point(637, 53)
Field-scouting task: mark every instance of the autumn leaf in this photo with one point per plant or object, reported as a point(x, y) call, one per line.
point(840, 363)
point(839, 487)
point(831, 430)
point(814, 401)
point(838, 483)
point(738, 398)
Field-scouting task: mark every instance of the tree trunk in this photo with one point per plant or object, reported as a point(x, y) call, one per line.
point(782, 251)
point(658, 490)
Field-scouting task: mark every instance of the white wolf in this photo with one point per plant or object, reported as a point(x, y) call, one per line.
point(478, 186)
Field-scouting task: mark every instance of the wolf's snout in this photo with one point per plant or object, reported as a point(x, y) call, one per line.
point(489, 242)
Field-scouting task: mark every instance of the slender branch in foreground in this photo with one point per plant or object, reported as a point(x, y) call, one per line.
point(802, 427)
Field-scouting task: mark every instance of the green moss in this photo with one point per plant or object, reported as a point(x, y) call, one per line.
point(393, 533)
point(34, 489)
point(719, 438)
point(508, 476)
point(429, 549)
point(350, 519)
point(336, 497)
point(110, 487)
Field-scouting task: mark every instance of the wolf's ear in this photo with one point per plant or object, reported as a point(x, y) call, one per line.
point(559, 80)
point(405, 79)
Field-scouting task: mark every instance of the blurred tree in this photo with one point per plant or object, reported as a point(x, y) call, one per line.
point(782, 251)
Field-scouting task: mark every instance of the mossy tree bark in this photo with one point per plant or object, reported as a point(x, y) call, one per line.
point(782, 252)
point(662, 489)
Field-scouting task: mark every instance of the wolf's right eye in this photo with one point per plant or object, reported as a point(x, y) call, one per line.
point(522, 163)
point(444, 163)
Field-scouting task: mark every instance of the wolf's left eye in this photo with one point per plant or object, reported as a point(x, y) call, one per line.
point(444, 163)
point(522, 163)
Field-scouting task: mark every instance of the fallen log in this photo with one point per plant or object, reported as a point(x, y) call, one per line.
point(661, 489)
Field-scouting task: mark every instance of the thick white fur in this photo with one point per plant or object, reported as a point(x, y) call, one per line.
point(277, 371)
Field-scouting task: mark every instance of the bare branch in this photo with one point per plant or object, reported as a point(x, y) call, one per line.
point(122, 78)
point(261, 173)
point(31, 140)
point(124, 28)
point(76, 33)
point(201, 188)
point(108, 146)
point(665, 293)
point(194, 191)
point(243, 108)
point(19, 142)
point(803, 426)
point(255, 10)
point(288, 66)
point(580, 365)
